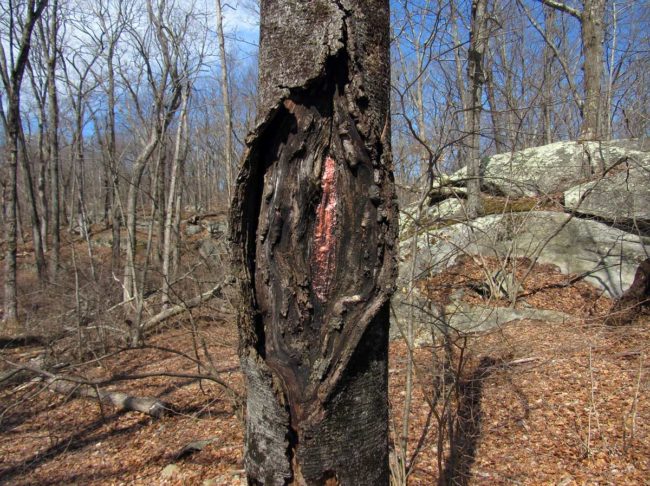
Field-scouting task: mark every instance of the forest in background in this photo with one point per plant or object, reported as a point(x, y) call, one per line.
point(130, 127)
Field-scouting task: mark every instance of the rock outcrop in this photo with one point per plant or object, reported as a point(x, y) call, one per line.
point(607, 256)
point(621, 197)
point(539, 171)
point(598, 230)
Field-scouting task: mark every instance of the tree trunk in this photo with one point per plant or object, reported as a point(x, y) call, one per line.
point(10, 315)
point(129, 285)
point(476, 75)
point(313, 224)
point(12, 77)
point(225, 94)
point(116, 213)
point(499, 144)
point(593, 34)
point(37, 241)
point(460, 80)
point(549, 81)
point(592, 31)
point(174, 179)
point(53, 140)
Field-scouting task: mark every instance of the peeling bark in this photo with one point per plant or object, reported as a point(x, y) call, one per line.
point(313, 225)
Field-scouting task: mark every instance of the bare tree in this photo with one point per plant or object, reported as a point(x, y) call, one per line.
point(12, 69)
point(166, 88)
point(313, 222)
point(225, 94)
point(175, 181)
point(475, 73)
point(592, 30)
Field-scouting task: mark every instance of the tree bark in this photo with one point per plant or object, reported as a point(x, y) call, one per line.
point(593, 34)
point(549, 83)
point(34, 219)
point(313, 225)
point(12, 77)
point(476, 75)
point(53, 140)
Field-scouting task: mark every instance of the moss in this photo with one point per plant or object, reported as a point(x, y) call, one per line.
point(498, 205)
point(491, 205)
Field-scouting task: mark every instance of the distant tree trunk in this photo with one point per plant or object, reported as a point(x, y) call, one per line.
point(53, 141)
point(593, 35)
point(160, 190)
point(494, 113)
point(476, 75)
point(225, 94)
point(313, 224)
point(34, 219)
point(12, 77)
point(592, 31)
point(39, 97)
point(460, 83)
point(547, 88)
point(139, 165)
point(116, 215)
point(174, 187)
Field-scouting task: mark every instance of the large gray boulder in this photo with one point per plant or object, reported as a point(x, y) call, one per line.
point(607, 256)
point(621, 197)
point(547, 169)
point(451, 209)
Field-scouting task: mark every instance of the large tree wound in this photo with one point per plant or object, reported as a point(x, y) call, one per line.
point(314, 227)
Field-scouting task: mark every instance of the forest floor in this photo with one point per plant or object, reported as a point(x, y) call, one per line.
point(537, 403)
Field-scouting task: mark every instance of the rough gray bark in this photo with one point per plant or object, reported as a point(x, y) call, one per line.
point(313, 225)
point(476, 75)
point(593, 35)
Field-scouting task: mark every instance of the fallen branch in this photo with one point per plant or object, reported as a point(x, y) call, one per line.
point(521, 361)
point(120, 400)
point(87, 389)
point(180, 308)
point(20, 373)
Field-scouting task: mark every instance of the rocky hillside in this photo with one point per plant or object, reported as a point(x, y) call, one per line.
point(581, 209)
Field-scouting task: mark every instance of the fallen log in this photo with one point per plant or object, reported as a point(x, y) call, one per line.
point(76, 387)
point(120, 400)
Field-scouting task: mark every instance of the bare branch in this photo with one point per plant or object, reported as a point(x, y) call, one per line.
point(563, 8)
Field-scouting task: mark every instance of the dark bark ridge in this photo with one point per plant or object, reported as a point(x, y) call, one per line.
point(313, 226)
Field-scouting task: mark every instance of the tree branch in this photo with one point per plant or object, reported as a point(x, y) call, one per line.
point(182, 307)
point(563, 8)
